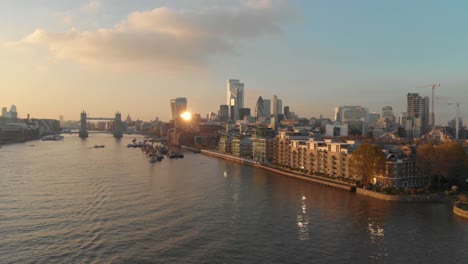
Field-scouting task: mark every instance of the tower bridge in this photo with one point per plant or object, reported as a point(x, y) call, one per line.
point(118, 131)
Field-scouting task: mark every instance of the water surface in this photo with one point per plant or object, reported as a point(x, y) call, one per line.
point(65, 202)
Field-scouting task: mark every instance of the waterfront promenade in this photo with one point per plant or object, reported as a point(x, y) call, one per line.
point(311, 178)
point(330, 182)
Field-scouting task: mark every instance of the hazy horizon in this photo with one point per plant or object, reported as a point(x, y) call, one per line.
point(62, 57)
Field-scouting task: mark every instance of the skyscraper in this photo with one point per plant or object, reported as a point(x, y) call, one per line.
point(372, 119)
point(259, 108)
point(267, 108)
point(280, 107)
point(402, 119)
point(235, 98)
point(223, 112)
point(387, 120)
point(350, 113)
point(178, 107)
point(387, 112)
point(275, 107)
point(338, 114)
point(243, 112)
point(355, 116)
point(417, 115)
point(287, 114)
point(11, 114)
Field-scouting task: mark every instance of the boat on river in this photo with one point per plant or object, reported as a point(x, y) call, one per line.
point(153, 159)
point(53, 138)
point(175, 155)
point(99, 146)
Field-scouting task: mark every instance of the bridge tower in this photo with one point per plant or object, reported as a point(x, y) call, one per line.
point(118, 131)
point(83, 128)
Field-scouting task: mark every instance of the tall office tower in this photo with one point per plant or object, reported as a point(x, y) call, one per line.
point(178, 107)
point(235, 98)
point(287, 114)
point(417, 115)
point(224, 112)
point(387, 121)
point(280, 107)
point(13, 113)
point(4, 111)
point(338, 114)
point(402, 119)
point(373, 119)
point(275, 107)
point(355, 116)
point(387, 112)
point(350, 113)
point(259, 108)
point(243, 113)
point(267, 108)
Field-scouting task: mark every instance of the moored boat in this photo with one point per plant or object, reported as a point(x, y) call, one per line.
point(175, 155)
point(53, 137)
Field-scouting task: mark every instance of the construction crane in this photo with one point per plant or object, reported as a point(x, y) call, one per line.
point(431, 115)
point(457, 119)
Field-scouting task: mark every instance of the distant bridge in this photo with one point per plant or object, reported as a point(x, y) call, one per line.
point(101, 118)
point(118, 129)
point(91, 132)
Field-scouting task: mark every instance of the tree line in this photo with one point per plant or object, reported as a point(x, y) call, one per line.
point(443, 164)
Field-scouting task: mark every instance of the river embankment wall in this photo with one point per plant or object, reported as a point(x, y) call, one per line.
point(330, 183)
point(400, 198)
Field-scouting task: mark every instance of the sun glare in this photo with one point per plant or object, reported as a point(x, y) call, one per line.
point(186, 116)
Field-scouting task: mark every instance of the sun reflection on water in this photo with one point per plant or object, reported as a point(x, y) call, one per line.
point(303, 221)
point(376, 235)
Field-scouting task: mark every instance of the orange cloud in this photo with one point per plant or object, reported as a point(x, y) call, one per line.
point(165, 39)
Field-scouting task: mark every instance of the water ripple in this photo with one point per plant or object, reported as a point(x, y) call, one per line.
point(63, 202)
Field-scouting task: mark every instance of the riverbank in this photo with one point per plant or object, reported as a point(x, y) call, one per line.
point(3, 143)
point(310, 178)
point(330, 182)
point(401, 198)
point(194, 150)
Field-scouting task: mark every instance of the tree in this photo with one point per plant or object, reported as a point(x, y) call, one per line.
point(446, 161)
point(425, 161)
point(367, 161)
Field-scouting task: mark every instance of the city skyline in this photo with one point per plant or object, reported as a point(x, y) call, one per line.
point(314, 56)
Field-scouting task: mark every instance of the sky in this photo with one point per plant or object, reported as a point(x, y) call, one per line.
point(59, 57)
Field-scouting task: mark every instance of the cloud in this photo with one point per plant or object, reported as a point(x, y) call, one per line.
point(165, 39)
point(67, 19)
point(91, 7)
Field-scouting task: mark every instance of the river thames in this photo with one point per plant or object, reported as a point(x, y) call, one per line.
point(66, 202)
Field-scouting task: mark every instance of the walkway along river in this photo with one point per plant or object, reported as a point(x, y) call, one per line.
point(330, 182)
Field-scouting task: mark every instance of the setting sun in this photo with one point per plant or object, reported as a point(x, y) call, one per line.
point(186, 116)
